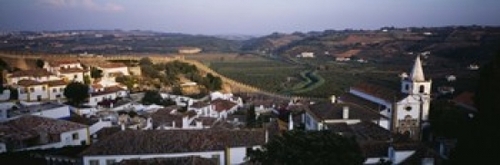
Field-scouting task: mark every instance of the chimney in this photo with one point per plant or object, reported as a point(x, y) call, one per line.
point(345, 112)
point(123, 127)
point(333, 99)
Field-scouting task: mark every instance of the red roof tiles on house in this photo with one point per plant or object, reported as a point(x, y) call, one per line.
point(140, 142)
point(71, 70)
point(29, 126)
point(56, 83)
point(381, 92)
point(329, 111)
point(31, 73)
point(27, 83)
point(222, 105)
point(465, 98)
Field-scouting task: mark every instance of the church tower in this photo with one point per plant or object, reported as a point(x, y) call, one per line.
point(412, 113)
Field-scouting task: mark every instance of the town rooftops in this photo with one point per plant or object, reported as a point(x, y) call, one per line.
point(329, 111)
point(188, 160)
point(350, 98)
point(199, 104)
point(465, 99)
point(34, 108)
point(71, 70)
point(140, 142)
point(57, 63)
point(381, 92)
point(56, 83)
point(27, 83)
point(108, 90)
point(222, 105)
point(29, 126)
point(164, 116)
point(31, 73)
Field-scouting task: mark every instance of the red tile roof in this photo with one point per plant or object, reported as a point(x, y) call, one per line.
point(222, 105)
point(188, 160)
point(142, 142)
point(57, 63)
point(465, 98)
point(71, 70)
point(199, 104)
point(329, 111)
point(31, 73)
point(30, 126)
point(27, 83)
point(108, 90)
point(381, 92)
point(56, 83)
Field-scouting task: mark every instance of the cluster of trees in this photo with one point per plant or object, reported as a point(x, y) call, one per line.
point(168, 74)
point(76, 93)
point(308, 147)
point(154, 97)
point(481, 138)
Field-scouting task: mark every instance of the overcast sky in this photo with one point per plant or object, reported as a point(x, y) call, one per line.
point(255, 17)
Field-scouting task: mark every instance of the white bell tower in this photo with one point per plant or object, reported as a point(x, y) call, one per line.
point(416, 86)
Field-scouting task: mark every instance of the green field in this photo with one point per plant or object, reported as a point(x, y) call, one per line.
point(302, 79)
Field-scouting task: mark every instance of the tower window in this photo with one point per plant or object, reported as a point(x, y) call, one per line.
point(407, 87)
point(421, 89)
point(408, 108)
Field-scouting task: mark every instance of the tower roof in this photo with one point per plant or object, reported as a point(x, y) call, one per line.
point(417, 73)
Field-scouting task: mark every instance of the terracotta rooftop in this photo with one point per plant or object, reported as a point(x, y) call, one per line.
point(31, 73)
point(56, 83)
point(222, 105)
point(30, 126)
point(189, 160)
point(140, 142)
point(199, 104)
point(71, 70)
point(465, 98)
point(164, 117)
point(108, 90)
point(26, 83)
point(57, 63)
point(353, 99)
point(381, 92)
point(329, 111)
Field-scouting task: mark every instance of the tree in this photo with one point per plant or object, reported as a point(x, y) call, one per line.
point(86, 79)
point(145, 61)
point(476, 146)
point(308, 147)
point(40, 63)
point(251, 117)
point(76, 93)
point(95, 73)
point(445, 117)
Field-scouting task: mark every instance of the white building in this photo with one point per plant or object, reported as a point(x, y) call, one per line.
point(110, 93)
point(306, 55)
point(227, 146)
point(112, 70)
point(31, 90)
point(221, 108)
point(407, 108)
point(49, 110)
point(38, 75)
point(319, 116)
point(34, 132)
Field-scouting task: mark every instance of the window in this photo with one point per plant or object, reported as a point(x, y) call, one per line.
point(44, 88)
point(32, 89)
point(421, 89)
point(407, 87)
point(408, 108)
point(110, 161)
point(75, 136)
point(75, 76)
point(94, 162)
point(54, 90)
point(62, 89)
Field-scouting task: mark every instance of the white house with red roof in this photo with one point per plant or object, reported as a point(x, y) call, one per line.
point(226, 146)
point(407, 108)
point(221, 108)
point(112, 70)
point(35, 132)
point(69, 70)
point(100, 93)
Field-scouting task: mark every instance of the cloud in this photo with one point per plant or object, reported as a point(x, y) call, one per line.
point(91, 5)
